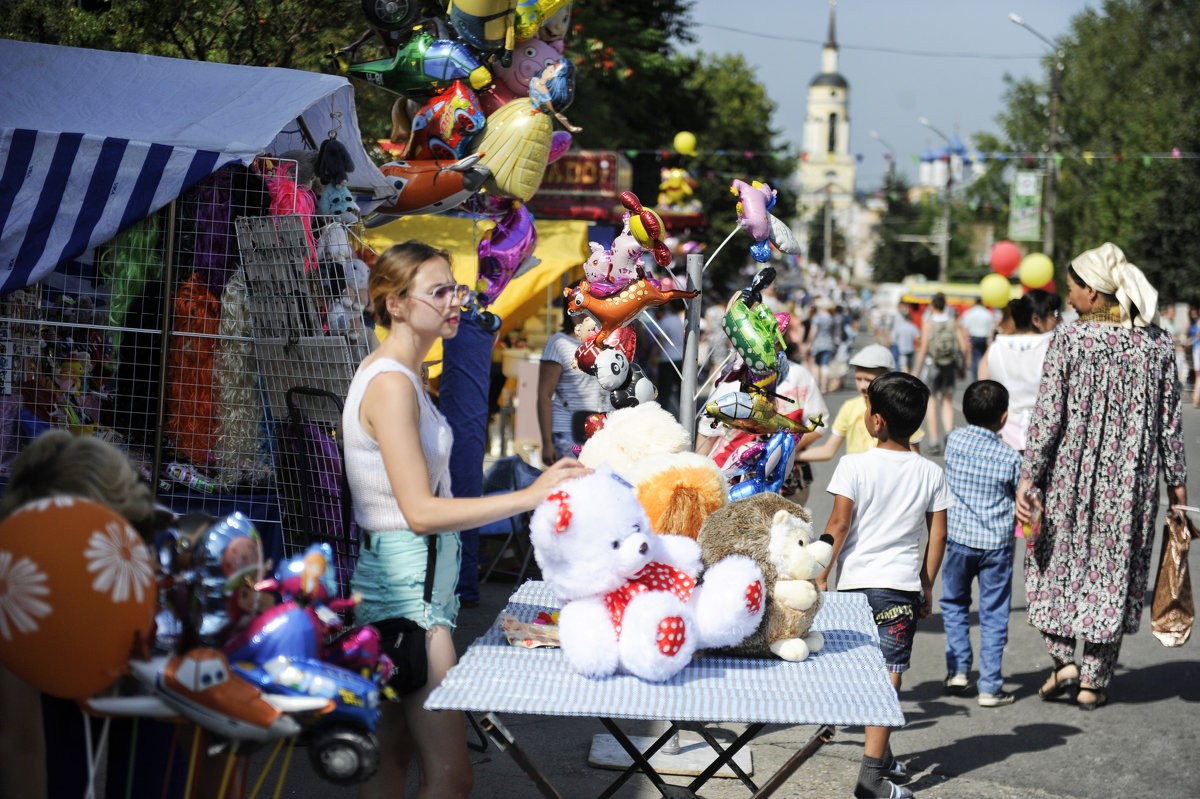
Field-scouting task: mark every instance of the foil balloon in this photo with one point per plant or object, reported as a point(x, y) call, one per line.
point(647, 228)
point(754, 333)
point(782, 236)
point(503, 250)
point(422, 66)
point(755, 413)
point(529, 58)
point(77, 595)
point(515, 146)
point(486, 25)
point(428, 187)
point(773, 465)
point(446, 125)
point(611, 363)
point(555, 28)
point(755, 200)
point(560, 142)
point(620, 309)
point(675, 191)
point(532, 15)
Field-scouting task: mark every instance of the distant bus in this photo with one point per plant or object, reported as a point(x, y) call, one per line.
point(916, 290)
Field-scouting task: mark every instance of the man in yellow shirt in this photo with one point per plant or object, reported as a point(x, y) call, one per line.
point(869, 363)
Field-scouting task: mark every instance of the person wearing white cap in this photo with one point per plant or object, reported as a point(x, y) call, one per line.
point(869, 363)
point(1106, 422)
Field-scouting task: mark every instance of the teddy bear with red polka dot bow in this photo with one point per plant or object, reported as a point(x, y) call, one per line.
point(634, 601)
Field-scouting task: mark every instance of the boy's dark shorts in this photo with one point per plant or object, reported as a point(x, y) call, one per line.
point(895, 614)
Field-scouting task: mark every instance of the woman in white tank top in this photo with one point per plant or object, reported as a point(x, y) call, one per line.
point(397, 447)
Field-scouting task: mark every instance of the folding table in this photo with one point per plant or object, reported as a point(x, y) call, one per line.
point(845, 684)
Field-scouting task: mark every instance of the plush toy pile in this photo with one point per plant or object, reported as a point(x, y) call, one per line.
point(631, 598)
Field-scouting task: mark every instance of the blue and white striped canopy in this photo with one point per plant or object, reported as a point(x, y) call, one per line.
point(92, 141)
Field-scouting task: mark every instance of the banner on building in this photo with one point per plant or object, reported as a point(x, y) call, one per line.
point(1025, 207)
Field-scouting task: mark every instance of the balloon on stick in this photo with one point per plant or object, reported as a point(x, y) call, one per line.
point(685, 142)
point(77, 595)
point(995, 291)
point(1036, 269)
point(1005, 259)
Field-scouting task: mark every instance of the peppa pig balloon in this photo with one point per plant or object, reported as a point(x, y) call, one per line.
point(529, 58)
point(77, 594)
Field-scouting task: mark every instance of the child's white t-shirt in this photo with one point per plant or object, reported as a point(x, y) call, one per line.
point(892, 492)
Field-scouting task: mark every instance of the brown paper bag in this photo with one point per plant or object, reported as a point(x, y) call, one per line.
point(1173, 612)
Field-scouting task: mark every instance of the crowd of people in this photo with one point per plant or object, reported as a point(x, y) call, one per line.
point(1039, 456)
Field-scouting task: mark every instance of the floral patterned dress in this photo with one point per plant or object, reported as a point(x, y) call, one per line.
point(1107, 418)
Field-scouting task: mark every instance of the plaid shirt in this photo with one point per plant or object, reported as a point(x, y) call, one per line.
point(982, 473)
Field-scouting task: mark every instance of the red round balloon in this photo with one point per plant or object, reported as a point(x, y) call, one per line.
point(77, 592)
point(1006, 258)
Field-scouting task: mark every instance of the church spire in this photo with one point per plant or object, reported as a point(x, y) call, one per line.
point(829, 53)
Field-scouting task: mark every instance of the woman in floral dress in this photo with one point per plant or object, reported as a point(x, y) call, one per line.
point(1107, 419)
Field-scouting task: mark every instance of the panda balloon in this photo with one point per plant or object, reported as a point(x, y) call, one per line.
point(610, 363)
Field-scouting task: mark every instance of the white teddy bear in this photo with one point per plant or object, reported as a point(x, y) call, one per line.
point(630, 597)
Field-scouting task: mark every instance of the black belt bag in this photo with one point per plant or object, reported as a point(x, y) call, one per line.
point(403, 640)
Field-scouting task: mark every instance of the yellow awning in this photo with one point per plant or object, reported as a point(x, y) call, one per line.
point(562, 246)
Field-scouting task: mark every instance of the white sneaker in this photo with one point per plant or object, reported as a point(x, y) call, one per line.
point(955, 683)
point(998, 699)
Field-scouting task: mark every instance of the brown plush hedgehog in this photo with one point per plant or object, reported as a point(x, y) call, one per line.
point(778, 535)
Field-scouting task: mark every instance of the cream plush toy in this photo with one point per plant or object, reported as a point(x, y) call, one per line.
point(778, 535)
point(630, 599)
point(648, 448)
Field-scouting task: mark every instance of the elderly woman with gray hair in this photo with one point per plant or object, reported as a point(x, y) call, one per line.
point(1107, 420)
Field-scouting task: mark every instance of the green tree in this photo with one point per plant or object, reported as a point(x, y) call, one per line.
point(1128, 89)
point(816, 238)
point(895, 258)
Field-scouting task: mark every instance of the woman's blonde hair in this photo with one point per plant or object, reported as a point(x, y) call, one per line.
point(394, 272)
point(57, 462)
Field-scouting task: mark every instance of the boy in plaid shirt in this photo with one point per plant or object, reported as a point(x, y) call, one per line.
point(982, 473)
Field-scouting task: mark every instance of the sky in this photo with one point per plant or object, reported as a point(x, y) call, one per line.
point(950, 84)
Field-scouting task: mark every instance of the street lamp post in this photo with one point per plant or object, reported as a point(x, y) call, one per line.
point(828, 259)
point(944, 249)
point(1051, 140)
point(891, 154)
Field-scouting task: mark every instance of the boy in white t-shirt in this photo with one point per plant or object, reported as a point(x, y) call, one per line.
point(884, 499)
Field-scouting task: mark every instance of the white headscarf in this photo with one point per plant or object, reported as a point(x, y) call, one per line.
point(1106, 270)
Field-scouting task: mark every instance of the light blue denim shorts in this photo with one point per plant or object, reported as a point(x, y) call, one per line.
point(390, 575)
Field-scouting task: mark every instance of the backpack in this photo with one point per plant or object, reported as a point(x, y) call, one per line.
point(943, 343)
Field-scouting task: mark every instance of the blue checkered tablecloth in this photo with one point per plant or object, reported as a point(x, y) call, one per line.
point(844, 684)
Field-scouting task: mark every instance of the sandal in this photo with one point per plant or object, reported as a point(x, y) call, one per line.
point(1100, 701)
point(1059, 686)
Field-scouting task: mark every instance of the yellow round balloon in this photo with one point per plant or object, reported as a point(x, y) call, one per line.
point(1036, 270)
point(685, 142)
point(995, 291)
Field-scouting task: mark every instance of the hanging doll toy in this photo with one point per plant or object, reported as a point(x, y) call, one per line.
point(611, 362)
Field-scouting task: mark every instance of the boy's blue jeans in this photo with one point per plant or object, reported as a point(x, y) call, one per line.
point(994, 570)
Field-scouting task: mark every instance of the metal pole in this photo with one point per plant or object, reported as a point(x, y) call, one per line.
point(164, 346)
point(1052, 164)
point(944, 254)
point(828, 259)
point(691, 347)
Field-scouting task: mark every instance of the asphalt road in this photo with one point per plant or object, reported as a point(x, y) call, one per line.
point(1144, 743)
